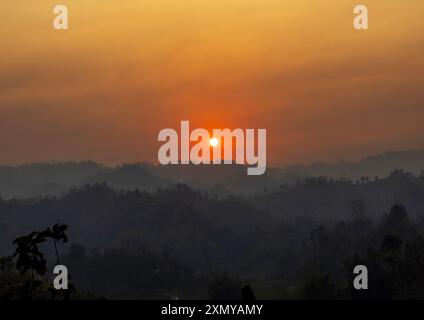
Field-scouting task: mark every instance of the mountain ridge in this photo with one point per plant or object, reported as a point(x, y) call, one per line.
point(53, 179)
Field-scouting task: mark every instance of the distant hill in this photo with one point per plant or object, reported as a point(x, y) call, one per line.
point(53, 179)
point(199, 229)
point(377, 165)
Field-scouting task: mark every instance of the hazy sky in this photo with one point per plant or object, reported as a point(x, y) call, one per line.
point(124, 70)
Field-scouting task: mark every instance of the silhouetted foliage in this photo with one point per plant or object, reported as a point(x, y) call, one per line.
point(22, 274)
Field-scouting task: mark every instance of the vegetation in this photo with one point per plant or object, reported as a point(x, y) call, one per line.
point(298, 242)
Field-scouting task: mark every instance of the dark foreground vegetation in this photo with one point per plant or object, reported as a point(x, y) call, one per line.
point(299, 242)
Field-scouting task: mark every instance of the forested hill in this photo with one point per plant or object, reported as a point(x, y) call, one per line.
point(297, 241)
point(198, 222)
point(48, 179)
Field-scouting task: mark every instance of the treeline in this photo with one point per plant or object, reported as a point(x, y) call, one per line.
point(298, 242)
point(289, 263)
point(55, 179)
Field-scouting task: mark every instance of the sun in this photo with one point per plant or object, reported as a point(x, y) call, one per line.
point(213, 142)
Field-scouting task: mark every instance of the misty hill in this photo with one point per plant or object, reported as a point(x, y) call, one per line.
point(377, 165)
point(55, 179)
point(203, 231)
point(187, 223)
point(329, 199)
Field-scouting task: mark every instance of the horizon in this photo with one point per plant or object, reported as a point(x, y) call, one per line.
point(157, 164)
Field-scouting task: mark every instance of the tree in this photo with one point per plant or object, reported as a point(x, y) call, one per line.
point(30, 258)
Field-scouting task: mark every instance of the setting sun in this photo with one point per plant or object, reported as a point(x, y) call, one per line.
point(213, 142)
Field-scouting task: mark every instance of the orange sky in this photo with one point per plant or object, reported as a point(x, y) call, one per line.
point(126, 69)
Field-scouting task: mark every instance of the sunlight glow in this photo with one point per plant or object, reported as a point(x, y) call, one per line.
point(213, 142)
